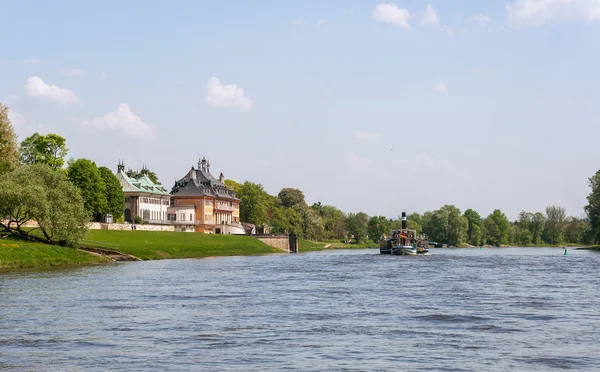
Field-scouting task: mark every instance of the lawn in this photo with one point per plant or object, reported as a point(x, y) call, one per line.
point(155, 245)
point(20, 254)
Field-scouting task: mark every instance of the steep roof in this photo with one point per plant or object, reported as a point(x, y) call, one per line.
point(200, 182)
point(142, 184)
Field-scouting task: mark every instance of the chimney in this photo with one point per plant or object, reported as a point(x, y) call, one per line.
point(403, 220)
point(221, 177)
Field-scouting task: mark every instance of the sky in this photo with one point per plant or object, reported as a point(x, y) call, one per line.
point(380, 107)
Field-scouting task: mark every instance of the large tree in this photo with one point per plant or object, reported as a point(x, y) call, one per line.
point(378, 227)
point(446, 225)
point(593, 207)
point(357, 225)
point(115, 198)
point(555, 224)
point(496, 228)
point(576, 229)
point(9, 149)
point(474, 227)
point(290, 197)
point(49, 149)
point(42, 194)
point(253, 203)
point(536, 227)
point(84, 174)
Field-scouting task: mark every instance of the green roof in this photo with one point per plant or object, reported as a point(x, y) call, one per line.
point(142, 184)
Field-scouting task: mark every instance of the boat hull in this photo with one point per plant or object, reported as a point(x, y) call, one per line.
point(404, 251)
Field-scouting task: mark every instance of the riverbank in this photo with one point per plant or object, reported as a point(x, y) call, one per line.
point(145, 245)
point(21, 254)
point(156, 245)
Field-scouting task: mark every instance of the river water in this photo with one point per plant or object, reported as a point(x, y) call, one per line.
point(504, 309)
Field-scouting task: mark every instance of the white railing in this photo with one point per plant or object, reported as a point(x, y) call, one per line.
point(224, 207)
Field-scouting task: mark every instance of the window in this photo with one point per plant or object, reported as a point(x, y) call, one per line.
point(183, 216)
point(191, 217)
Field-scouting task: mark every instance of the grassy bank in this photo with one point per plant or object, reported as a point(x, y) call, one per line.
point(309, 245)
point(20, 254)
point(155, 245)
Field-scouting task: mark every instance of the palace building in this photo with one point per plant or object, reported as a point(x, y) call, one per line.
point(143, 197)
point(204, 201)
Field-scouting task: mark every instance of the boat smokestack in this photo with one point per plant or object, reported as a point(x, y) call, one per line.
point(403, 220)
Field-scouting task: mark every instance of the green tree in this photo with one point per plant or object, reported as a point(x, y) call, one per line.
point(416, 217)
point(515, 234)
point(334, 222)
point(290, 197)
point(536, 227)
point(496, 228)
point(446, 225)
point(378, 226)
point(357, 225)
point(555, 224)
point(474, 227)
point(526, 237)
point(593, 207)
point(232, 185)
point(84, 174)
point(45, 195)
point(49, 149)
point(253, 203)
point(115, 198)
point(575, 230)
point(9, 149)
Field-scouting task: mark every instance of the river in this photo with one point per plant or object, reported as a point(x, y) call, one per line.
point(521, 309)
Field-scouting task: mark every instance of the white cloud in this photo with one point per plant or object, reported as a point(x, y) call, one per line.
point(122, 119)
point(366, 137)
point(322, 21)
point(440, 87)
point(74, 72)
point(35, 87)
point(430, 17)
point(32, 61)
point(390, 13)
point(482, 19)
point(535, 13)
point(354, 161)
point(16, 119)
point(226, 96)
point(298, 21)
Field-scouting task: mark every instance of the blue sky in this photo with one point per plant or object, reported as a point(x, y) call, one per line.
point(367, 105)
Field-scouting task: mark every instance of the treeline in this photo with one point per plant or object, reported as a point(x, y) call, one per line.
point(448, 225)
point(288, 212)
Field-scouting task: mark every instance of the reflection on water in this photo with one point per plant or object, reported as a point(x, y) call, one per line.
point(456, 310)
